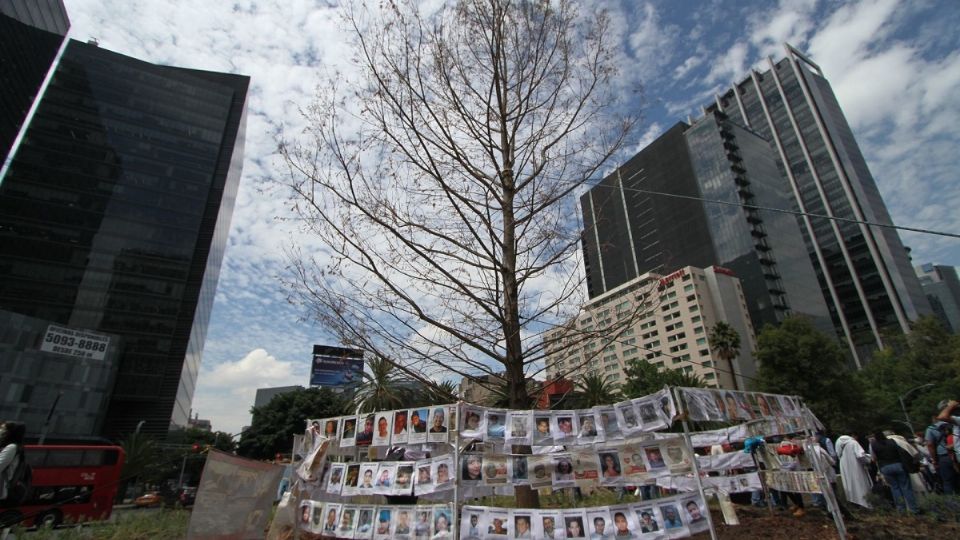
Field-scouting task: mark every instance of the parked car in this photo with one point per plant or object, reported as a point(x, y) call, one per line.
point(146, 500)
point(187, 496)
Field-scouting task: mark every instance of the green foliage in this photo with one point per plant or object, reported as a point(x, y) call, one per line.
point(643, 378)
point(928, 355)
point(725, 340)
point(275, 424)
point(216, 439)
point(126, 526)
point(594, 389)
point(797, 359)
point(382, 388)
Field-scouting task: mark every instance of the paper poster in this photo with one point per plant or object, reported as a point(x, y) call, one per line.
point(599, 524)
point(655, 462)
point(611, 471)
point(399, 435)
point(564, 426)
point(348, 437)
point(423, 483)
point(496, 423)
point(694, 514)
point(423, 523)
point(385, 478)
point(500, 527)
point(609, 424)
point(474, 423)
point(368, 473)
point(671, 517)
point(348, 521)
point(586, 466)
point(330, 515)
point(677, 456)
point(471, 468)
point(438, 427)
point(543, 436)
point(335, 483)
point(403, 522)
point(519, 470)
point(495, 470)
point(588, 431)
point(627, 418)
point(635, 466)
point(541, 470)
point(667, 409)
point(470, 522)
point(548, 524)
point(384, 524)
point(562, 470)
point(522, 523)
point(519, 428)
point(365, 522)
point(442, 522)
point(403, 482)
point(648, 519)
point(418, 425)
point(381, 436)
point(625, 523)
point(352, 480)
point(573, 523)
point(365, 433)
point(442, 469)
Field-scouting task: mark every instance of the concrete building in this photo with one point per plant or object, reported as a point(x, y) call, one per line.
point(671, 333)
point(264, 395)
point(942, 288)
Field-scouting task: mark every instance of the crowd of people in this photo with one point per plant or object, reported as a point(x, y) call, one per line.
point(889, 465)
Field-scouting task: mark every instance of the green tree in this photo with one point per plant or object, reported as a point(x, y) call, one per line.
point(142, 455)
point(274, 424)
point(797, 359)
point(594, 389)
point(644, 378)
point(923, 367)
point(382, 388)
point(725, 340)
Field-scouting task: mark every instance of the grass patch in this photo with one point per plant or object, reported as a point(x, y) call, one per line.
point(166, 524)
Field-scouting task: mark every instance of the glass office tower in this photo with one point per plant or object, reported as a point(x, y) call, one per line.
point(114, 215)
point(864, 272)
point(650, 216)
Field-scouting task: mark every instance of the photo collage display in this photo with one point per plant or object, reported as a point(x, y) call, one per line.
point(376, 522)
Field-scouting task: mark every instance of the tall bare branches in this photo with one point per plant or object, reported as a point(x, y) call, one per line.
point(440, 181)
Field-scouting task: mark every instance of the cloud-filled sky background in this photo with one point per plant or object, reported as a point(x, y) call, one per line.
point(895, 67)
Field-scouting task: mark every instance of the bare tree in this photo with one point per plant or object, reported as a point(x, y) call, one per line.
point(441, 182)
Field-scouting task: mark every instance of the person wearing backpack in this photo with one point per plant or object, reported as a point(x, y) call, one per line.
point(937, 438)
point(11, 455)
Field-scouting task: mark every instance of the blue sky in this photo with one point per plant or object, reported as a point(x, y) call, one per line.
point(895, 67)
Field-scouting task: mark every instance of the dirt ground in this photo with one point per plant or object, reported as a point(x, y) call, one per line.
point(759, 523)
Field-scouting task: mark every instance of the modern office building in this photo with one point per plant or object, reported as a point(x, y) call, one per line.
point(671, 334)
point(942, 288)
point(264, 395)
point(632, 226)
point(864, 272)
point(31, 34)
point(114, 214)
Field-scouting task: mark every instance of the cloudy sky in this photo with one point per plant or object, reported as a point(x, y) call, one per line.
point(895, 67)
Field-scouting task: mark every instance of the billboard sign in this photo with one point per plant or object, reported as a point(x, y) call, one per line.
point(335, 366)
point(76, 343)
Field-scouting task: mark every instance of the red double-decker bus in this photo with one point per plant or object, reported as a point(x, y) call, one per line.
point(70, 484)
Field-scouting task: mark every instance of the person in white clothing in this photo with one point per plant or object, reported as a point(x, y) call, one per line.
point(915, 479)
point(11, 452)
point(853, 472)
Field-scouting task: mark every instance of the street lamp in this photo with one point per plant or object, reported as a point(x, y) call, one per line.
point(904, 408)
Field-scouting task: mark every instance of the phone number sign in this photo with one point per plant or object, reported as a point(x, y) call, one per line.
point(76, 343)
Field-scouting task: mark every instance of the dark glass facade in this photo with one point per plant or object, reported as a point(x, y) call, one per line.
point(31, 32)
point(114, 215)
point(629, 229)
point(864, 272)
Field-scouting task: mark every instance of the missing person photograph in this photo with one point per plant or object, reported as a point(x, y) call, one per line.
point(365, 435)
point(474, 425)
point(496, 424)
point(381, 435)
point(543, 435)
point(519, 427)
point(573, 524)
point(472, 468)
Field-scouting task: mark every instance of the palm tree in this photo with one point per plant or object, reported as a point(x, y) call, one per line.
point(725, 341)
point(381, 389)
point(438, 394)
point(141, 454)
point(594, 389)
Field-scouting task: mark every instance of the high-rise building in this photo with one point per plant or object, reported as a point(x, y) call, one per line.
point(672, 334)
point(114, 214)
point(864, 272)
point(942, 288)
point(631, 227)
point(31, 34)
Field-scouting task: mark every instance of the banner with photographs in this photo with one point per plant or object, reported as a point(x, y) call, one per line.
point(738, 483)
point(673, 517)
point(715, 405)
point(318, 519)
point(795, 481)
point(419, 425)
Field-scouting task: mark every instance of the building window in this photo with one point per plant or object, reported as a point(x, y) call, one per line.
point(701, 341)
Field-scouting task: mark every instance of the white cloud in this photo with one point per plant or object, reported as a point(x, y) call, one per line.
point(226, 391)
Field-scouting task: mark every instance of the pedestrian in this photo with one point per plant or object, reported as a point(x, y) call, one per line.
point(853, 472)
point(11, 454)
point(942, 453)
point(916, 480)
point(886, 454)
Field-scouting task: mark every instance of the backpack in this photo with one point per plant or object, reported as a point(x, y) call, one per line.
point(18, 481)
